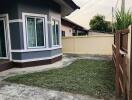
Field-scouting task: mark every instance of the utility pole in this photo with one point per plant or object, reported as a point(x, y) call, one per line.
point(123, 6)
point(123, 11)
point(112, 19)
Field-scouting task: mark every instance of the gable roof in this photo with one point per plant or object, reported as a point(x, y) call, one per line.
point(72, 24)
point(67, 6)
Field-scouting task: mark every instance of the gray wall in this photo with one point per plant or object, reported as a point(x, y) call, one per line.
point(10, 7)
point(16, 34)
point(15, 9)
point(35, 55)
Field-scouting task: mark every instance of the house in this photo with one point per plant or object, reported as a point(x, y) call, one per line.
point(30, 30)
point(70, 28)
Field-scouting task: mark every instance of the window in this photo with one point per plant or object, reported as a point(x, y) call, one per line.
point(55, 33)
point(36, 35)
point(63, 33)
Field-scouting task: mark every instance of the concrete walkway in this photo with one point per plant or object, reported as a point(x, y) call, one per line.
point(10, 91)
point(67, 60)
point(21, 92)
point(17, 71)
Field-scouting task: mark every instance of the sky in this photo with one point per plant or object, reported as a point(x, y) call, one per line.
point(90, 8)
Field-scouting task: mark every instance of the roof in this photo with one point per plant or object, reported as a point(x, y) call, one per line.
point(67, 6)
point(72, 4)
point(72, 24)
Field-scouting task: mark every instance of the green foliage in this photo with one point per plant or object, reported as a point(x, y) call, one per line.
point(98, 23)
point(123, 19)
point(108, 26)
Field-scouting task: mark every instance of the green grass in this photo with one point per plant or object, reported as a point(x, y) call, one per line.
point(88, 77)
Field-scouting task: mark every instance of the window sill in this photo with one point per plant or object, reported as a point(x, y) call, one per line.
point(35, 50)
point(56, 46)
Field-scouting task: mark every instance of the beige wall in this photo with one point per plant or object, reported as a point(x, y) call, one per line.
point(68, 30)
point(94, 45)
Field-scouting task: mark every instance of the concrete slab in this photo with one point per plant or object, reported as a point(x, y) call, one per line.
point(21, 92)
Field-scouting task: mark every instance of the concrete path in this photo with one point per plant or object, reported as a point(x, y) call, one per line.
point(21, 92)
point(17, 71)
point(67, 60)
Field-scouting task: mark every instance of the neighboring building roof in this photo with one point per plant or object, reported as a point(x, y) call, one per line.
point(72, 24)
point(67, 6)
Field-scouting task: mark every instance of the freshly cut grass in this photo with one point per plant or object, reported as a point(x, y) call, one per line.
point(88, 77)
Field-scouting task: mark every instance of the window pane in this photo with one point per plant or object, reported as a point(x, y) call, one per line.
point(54, 32)
point(63, 33)
point(57, 33)
point(31, 32)
point(39, 30)
point(2, 40)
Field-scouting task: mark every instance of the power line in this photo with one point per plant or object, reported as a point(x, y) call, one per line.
point(112, 19)
point(116, 4)
point(123, 6)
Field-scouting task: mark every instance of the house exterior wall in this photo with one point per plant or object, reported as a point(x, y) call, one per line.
point(20, 53)
point(56, 15)
point(22, 57)
point(50, 11)
point(10, 8)
point(16, 34)
point(68, 30)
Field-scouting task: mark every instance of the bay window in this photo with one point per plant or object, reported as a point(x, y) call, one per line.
point(36, 34)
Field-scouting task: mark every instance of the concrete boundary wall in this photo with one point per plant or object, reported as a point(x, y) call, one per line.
point(91, 45)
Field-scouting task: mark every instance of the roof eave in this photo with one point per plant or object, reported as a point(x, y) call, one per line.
point(72, 4)
point(67, 7)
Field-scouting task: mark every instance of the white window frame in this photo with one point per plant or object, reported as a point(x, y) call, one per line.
point(7, 36)
point(25, 34)
point(44, 33)
point(60, 36)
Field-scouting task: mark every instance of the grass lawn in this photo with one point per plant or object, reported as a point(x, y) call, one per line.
point(88, 77)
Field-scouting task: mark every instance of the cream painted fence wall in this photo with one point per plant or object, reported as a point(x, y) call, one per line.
point(93, 45)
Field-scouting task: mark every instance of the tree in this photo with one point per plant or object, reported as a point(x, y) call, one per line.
point(109, 26)
point(98, 23)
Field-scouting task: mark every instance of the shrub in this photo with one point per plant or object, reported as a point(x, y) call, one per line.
point(123, 19)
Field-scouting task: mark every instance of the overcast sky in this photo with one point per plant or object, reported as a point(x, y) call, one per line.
point(90, 8)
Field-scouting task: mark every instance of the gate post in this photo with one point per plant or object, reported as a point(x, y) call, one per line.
point(130, 63)
point(117, 43)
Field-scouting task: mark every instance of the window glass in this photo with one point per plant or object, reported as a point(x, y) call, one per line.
point(40, 32)
point(36, 32)
point(31, 32)
point(63, 33)
point(55, 32)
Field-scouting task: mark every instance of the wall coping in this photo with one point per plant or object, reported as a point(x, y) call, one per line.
point(90, 36)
